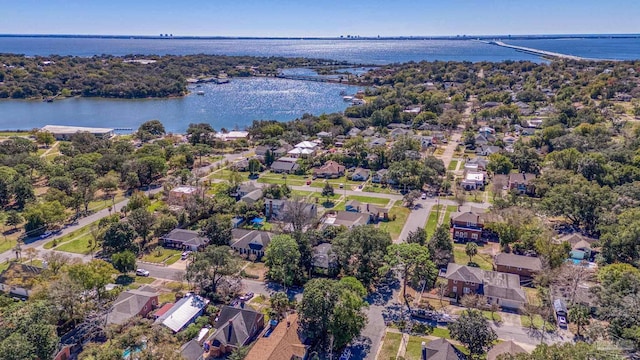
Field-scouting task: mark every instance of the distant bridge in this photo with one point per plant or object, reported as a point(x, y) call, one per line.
point(543, 53)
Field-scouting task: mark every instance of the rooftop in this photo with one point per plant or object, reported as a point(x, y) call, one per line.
point(184, 189)
point(283, 343)
point(520, 261)
point(183, 312)
point(63, 129)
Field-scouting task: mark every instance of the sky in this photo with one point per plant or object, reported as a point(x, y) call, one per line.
point(322, 18)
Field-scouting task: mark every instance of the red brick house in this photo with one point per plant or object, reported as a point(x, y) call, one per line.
point(467, 226)
point(525, 266)
point(132, 303)
point(330, 169)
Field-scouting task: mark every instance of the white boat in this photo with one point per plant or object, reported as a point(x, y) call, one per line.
point(200, 92)
point(347, 98)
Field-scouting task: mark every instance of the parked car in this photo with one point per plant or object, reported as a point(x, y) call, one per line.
point(246, 296)
point(46, 235)
point(341, 186)
point(562, 322)
point(423, 196)
point(142, 272)
point(185, 255)
point(308, 182)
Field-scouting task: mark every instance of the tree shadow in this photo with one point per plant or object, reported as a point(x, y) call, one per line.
point(360, 348)
point(124, 280)
point(328, 204)
point(384, 291)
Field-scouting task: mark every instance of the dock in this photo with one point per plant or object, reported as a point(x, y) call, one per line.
point(542, 53)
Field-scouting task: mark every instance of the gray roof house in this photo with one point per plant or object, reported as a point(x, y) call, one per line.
point(505, 347)
point(501, 288)
point(442, 349)
point(284, 165)
point(324, 259)
point(250, 242)
point(252, 197)
point(348, 219)
point(360, 174)
point(132, 303)
point(184, 239)
point(235, 328)
point(192, 350)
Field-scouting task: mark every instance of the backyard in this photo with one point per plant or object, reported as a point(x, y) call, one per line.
point(394, 227)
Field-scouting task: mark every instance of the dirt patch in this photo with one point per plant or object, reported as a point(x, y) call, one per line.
point(256, 269)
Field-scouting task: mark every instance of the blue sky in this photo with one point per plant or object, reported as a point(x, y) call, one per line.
point(319, 18)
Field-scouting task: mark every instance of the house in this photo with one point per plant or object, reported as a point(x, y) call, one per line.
point(486, 131)
point(491, 104)
point(381, 177)
point(425, 141)
point(286, 165)
point(252, 197)
point(473, 181)
point(441, 349)
point(250, 242)
point(61, 132)
point(527, 132)
point(398, 132)
point(522, 183)
point(184, 239)
point(509, 140)
point(306, 145)
point(132, 303)
point(246, 188)
point(582, 247)
point(283, 342)
point(467, 226)
point(324, 134)
point(261, 150)
point(233, 135)
point(481, 140)
point(525, 266)
point(301, 152)
point(486, 150)
point(505, 347)
point(376, 212)
point(162, 310)
point(499, 288)
point(235, 327)
point(192, 350)
point(414, 109)
point(183, 312)
point(282, 150)
point(240, 165)
point(347, 219)
point(377, 141)
point(330, 169)
point(179, 196)
point(524, 108)
point(324, 260)
point(480, 163)
point(274, 208)
point(354, 132)
point(18, 279)
point(360, 174)
point(534, 123)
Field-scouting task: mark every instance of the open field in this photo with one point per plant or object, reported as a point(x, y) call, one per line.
point(394, 227)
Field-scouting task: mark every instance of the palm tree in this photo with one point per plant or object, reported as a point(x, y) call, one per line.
point(471, 249)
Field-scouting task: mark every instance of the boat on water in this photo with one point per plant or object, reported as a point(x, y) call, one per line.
point(200, 92)
point(222, 81)
point(347, 98)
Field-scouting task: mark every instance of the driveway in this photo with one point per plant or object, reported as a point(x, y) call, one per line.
point(416, 219)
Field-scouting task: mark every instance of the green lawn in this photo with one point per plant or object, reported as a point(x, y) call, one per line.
point(98, 205)
point(173, 259)
point(441, 333)
point(447, 215)
point(460, 257)
point(369, 199)
point(79, 245)
point(390, 345)
point(453, 165)
point(166, 298)
point(224, 174)
point(160, 254)
point(375, 188)
point(156, 205)
point(414, 347)
point(7, 244)
point(432, 220)
point(496, 317)
point(302, 193)
point(394, 227)
point(537, 322)
point(70, 236)
point(144, 280)
point(4, 266)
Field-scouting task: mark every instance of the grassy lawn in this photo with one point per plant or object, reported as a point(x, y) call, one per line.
point(461, 258)
point(375, 188)
point(394, 227)
point(272, 178)
point(98, 205)
point(224, 174)
point(432, 220)
point(390, 345)
point(447, 215)
point(532, 296)
point(453, 165)
point(144, 280)
point(537, 322)
point(414, 347)
point(441, 333)
point(7, 244)
point(79, 245)
point(155, 205)
point(302, 193)
point(172, 259)
point(68, 237)
point(166, 298)
point(160, 254)
point(4, 266)
point(369, 199)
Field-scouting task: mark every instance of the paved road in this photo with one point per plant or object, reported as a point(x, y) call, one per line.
point(417, 218)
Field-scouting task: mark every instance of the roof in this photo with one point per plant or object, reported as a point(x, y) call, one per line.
point(300, 151)
point(306, 144)
point(247, 187)
point(505, 347)
point(347, 218)
point(183, 312)
point(254, 195)
point(521, 178)
point(577, 240)
point(129, 304)
point(234, 326)
point(519, 261)
point(250, 239)
point(323, 256)
point(191, 351)
point(163, 309)
point(496, 284)
point(364, 173)
point(464, 273)
point(184, 189)
point(282, 165)
point(20, 273)
point(282, 344)
point(467, 217)
point(441, 349)
point(62, 129)
point(188, 237)
point(330, 167)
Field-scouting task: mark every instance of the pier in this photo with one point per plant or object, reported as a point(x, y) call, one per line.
point(542, 53)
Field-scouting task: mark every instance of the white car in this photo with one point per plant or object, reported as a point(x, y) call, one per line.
point(142, 272)
point(423, 196)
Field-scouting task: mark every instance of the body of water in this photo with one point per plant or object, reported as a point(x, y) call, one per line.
point(231, 105)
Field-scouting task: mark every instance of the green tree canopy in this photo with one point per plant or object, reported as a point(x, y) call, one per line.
point(282, 257)
point(361, 252)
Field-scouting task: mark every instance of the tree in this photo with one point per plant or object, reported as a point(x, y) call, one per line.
point(579, 315)
point(413, 263)
point(473, 330)
point(210, 267)
point(164, 224)
point(279, 304)
point(124, 261)
point(254, 166)
point(297, 213)
point(440, 246)
point(56, 260)
point(93, 275)
point(13, 219)
point(331, 312)
point(28, 331)
point(119, 237)
point(574, 351)
point(327, 190)
point(411, 197)
point(217, 229)
point(239, 353)
point(361, 252)
point(282, 257)
point(31, 254)
point(142, 222)
point(418, 236)
point(45, 137)
point(471, 249)
point(22, 191)
point(499, 164)
point(150, 130)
